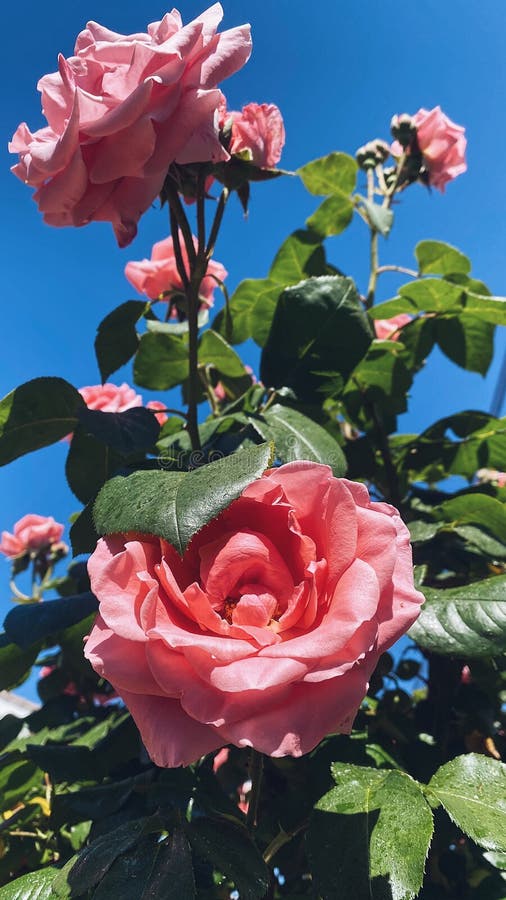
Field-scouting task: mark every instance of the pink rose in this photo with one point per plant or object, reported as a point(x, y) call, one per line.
point(31, 534)
point(159, 274)
point(110, 398)
point(161, 417)
point(442, 144)
point(121, 111)
point(257, 131)
point(493, 476)
point(388, 329)
point(265, 633)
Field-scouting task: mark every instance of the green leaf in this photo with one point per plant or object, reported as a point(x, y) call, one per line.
point(231, 850)
point(125, 432)
point(332, 217)
point(32, 886)
point(117, 340)
point(488, 309)
point(381, 378)
point(250, 294)
point(468, 621)
point(302, 254)
point(253, 303)
point(436, 295)
point(214, 351)
point(83, 536)
point(369, 836)
point(161, 362)
point(176, 505)
point(330, 174)
point(438, 258)
point(319, 326)
point(31, 622)
point(295, 436)
point(36, 414)
point(151, 870)
point(480, 443)
point(172, 875)
point(15, 662)
point(432, 294)
point(475, 509)
point(89, 464)
point(472, 789)
point(82, 873)
point(467, 341)
point(91, 803)
point(379, 216)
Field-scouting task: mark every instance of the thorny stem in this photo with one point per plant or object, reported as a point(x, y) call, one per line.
point(191, 299)
point(256, 767)
point(284, 837)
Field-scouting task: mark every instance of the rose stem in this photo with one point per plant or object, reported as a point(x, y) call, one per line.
point(373, 252)
point(256, 767)
point(191, 284)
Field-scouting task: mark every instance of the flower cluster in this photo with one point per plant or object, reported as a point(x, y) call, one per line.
point(124, 108)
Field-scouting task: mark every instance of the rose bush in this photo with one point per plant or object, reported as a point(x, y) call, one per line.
point(257, 132)
point(266, 632)
point(31, 534)
point(159, 275)
point(120, 111)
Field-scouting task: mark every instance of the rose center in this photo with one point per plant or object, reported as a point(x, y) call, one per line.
point(251, 604)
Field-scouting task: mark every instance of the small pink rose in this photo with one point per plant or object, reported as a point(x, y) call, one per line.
point(159, 275)
point(31, 534)
point(110, 398)
point(442, 144)
point(161, 417)
point(257, 131)
point(120, 111)
point(114, 398)
point(267, 630)
point(388, 329)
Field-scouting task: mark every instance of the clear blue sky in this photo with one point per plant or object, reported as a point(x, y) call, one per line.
point(338, 70)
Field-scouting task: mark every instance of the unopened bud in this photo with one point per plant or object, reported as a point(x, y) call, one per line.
point(403, 129)
point(382, 150)
point(372, 154)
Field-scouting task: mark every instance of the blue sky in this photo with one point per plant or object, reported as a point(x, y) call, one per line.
point(338, 70)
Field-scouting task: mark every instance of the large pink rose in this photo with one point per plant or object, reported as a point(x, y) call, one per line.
point(388, 329)
point(31, 534)
point(266, 632)
point(121, 111)
point(442, 144)
point(159, 274)
point(257, 131)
